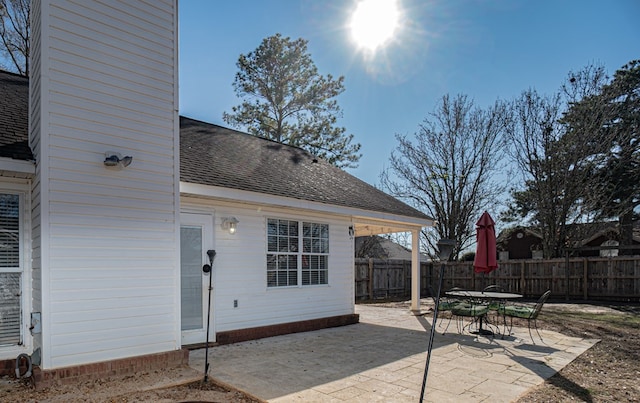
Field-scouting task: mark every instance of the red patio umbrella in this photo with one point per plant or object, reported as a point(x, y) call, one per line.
point(485, 260)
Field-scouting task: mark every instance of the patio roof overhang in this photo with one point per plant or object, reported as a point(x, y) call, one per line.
point(365, 222)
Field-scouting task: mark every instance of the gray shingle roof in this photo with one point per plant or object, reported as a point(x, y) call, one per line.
point(218, 156)
point(14, 116)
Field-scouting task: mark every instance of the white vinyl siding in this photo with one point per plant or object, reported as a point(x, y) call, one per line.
point(108, 238)
point(240, 271)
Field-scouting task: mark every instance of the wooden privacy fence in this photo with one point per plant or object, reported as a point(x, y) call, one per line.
point(588, 278)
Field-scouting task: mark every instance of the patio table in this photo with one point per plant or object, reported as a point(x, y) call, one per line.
point(483, 296)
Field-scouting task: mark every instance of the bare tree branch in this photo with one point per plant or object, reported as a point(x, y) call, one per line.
point(453, 169)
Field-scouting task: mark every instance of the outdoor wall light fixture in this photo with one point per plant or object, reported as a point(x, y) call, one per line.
point(351, 231)
point(230, 224)
point(445, 247)
point(113, 159)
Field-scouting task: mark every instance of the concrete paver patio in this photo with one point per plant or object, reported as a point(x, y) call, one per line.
point(382, 358)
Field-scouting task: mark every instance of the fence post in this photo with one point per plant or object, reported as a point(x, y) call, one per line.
point(585, 271)
point(370, 282)
point(567, 277)
point(473, 279)
point(522, 280)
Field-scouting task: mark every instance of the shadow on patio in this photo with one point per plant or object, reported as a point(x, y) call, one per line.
point(384, 355)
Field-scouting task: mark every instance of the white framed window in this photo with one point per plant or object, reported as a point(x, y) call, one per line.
point(609, 251)
point(10, 270)
point(297, 253)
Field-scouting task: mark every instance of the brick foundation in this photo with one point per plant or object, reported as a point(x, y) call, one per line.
point(170, 359)
point(98, 370)
point(8, 367)
point(235, 336)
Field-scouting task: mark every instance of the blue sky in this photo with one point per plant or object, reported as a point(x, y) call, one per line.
point(487, 49)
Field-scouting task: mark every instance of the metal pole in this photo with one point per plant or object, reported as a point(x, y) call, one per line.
point(212, 255)
point(433, 331)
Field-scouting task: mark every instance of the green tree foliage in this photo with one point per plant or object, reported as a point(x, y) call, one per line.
point(453, 168)
point(286, 100)
point(15, 31)
point(612, 118)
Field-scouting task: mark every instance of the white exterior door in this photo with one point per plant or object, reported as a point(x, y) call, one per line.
point(196, 237)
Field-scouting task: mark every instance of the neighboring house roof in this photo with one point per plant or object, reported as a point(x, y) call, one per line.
point(382, 248)
point(14, 119)
point(217, 156)
point(506, 234)
point(578, 234)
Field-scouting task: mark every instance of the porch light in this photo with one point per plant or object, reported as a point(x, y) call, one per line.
point(445, 247)
point(230, 224)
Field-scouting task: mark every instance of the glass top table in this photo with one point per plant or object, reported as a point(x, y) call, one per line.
point(482, 295)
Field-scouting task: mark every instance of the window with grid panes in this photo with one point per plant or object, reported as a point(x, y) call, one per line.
point(10, 270)
point(297, 253)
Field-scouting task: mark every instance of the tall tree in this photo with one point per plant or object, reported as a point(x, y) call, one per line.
point(553, 161)
point(612, 116)
point(15, 31)
point(453, 170)
point(286, 100)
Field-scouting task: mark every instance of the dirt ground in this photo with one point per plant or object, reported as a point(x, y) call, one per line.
point(608, 372)
point(140, 387)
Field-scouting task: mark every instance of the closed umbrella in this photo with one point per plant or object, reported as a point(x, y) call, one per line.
point(485, 260)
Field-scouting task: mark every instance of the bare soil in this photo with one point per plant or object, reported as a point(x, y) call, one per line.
point(608, 372)
point(141, 387)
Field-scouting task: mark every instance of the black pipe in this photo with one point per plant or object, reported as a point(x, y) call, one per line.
point(207, 268)
point(433, 331)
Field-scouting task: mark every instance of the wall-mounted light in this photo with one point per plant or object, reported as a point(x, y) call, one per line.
point(351, 231)
point(113, 159)
point(230, 224)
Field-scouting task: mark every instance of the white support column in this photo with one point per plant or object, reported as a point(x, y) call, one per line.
point(415, 272)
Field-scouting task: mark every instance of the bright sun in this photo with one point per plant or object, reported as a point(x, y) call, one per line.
point(374, 22)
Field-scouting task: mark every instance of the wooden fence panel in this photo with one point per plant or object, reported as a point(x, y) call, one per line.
point(361, 275)
point(615, 278)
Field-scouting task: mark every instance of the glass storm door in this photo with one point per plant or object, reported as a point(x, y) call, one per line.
point(196, 237)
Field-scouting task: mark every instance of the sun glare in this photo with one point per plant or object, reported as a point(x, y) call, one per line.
point(374, 23)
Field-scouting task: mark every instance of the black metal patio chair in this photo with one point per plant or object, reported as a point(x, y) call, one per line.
point(524, 312)
point(446, 304)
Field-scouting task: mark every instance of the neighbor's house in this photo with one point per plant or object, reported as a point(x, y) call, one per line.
point(588, 239)
point(378, 247)
point(101, 256)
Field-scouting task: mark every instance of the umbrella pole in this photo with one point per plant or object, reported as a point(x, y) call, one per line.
point(433, 331)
